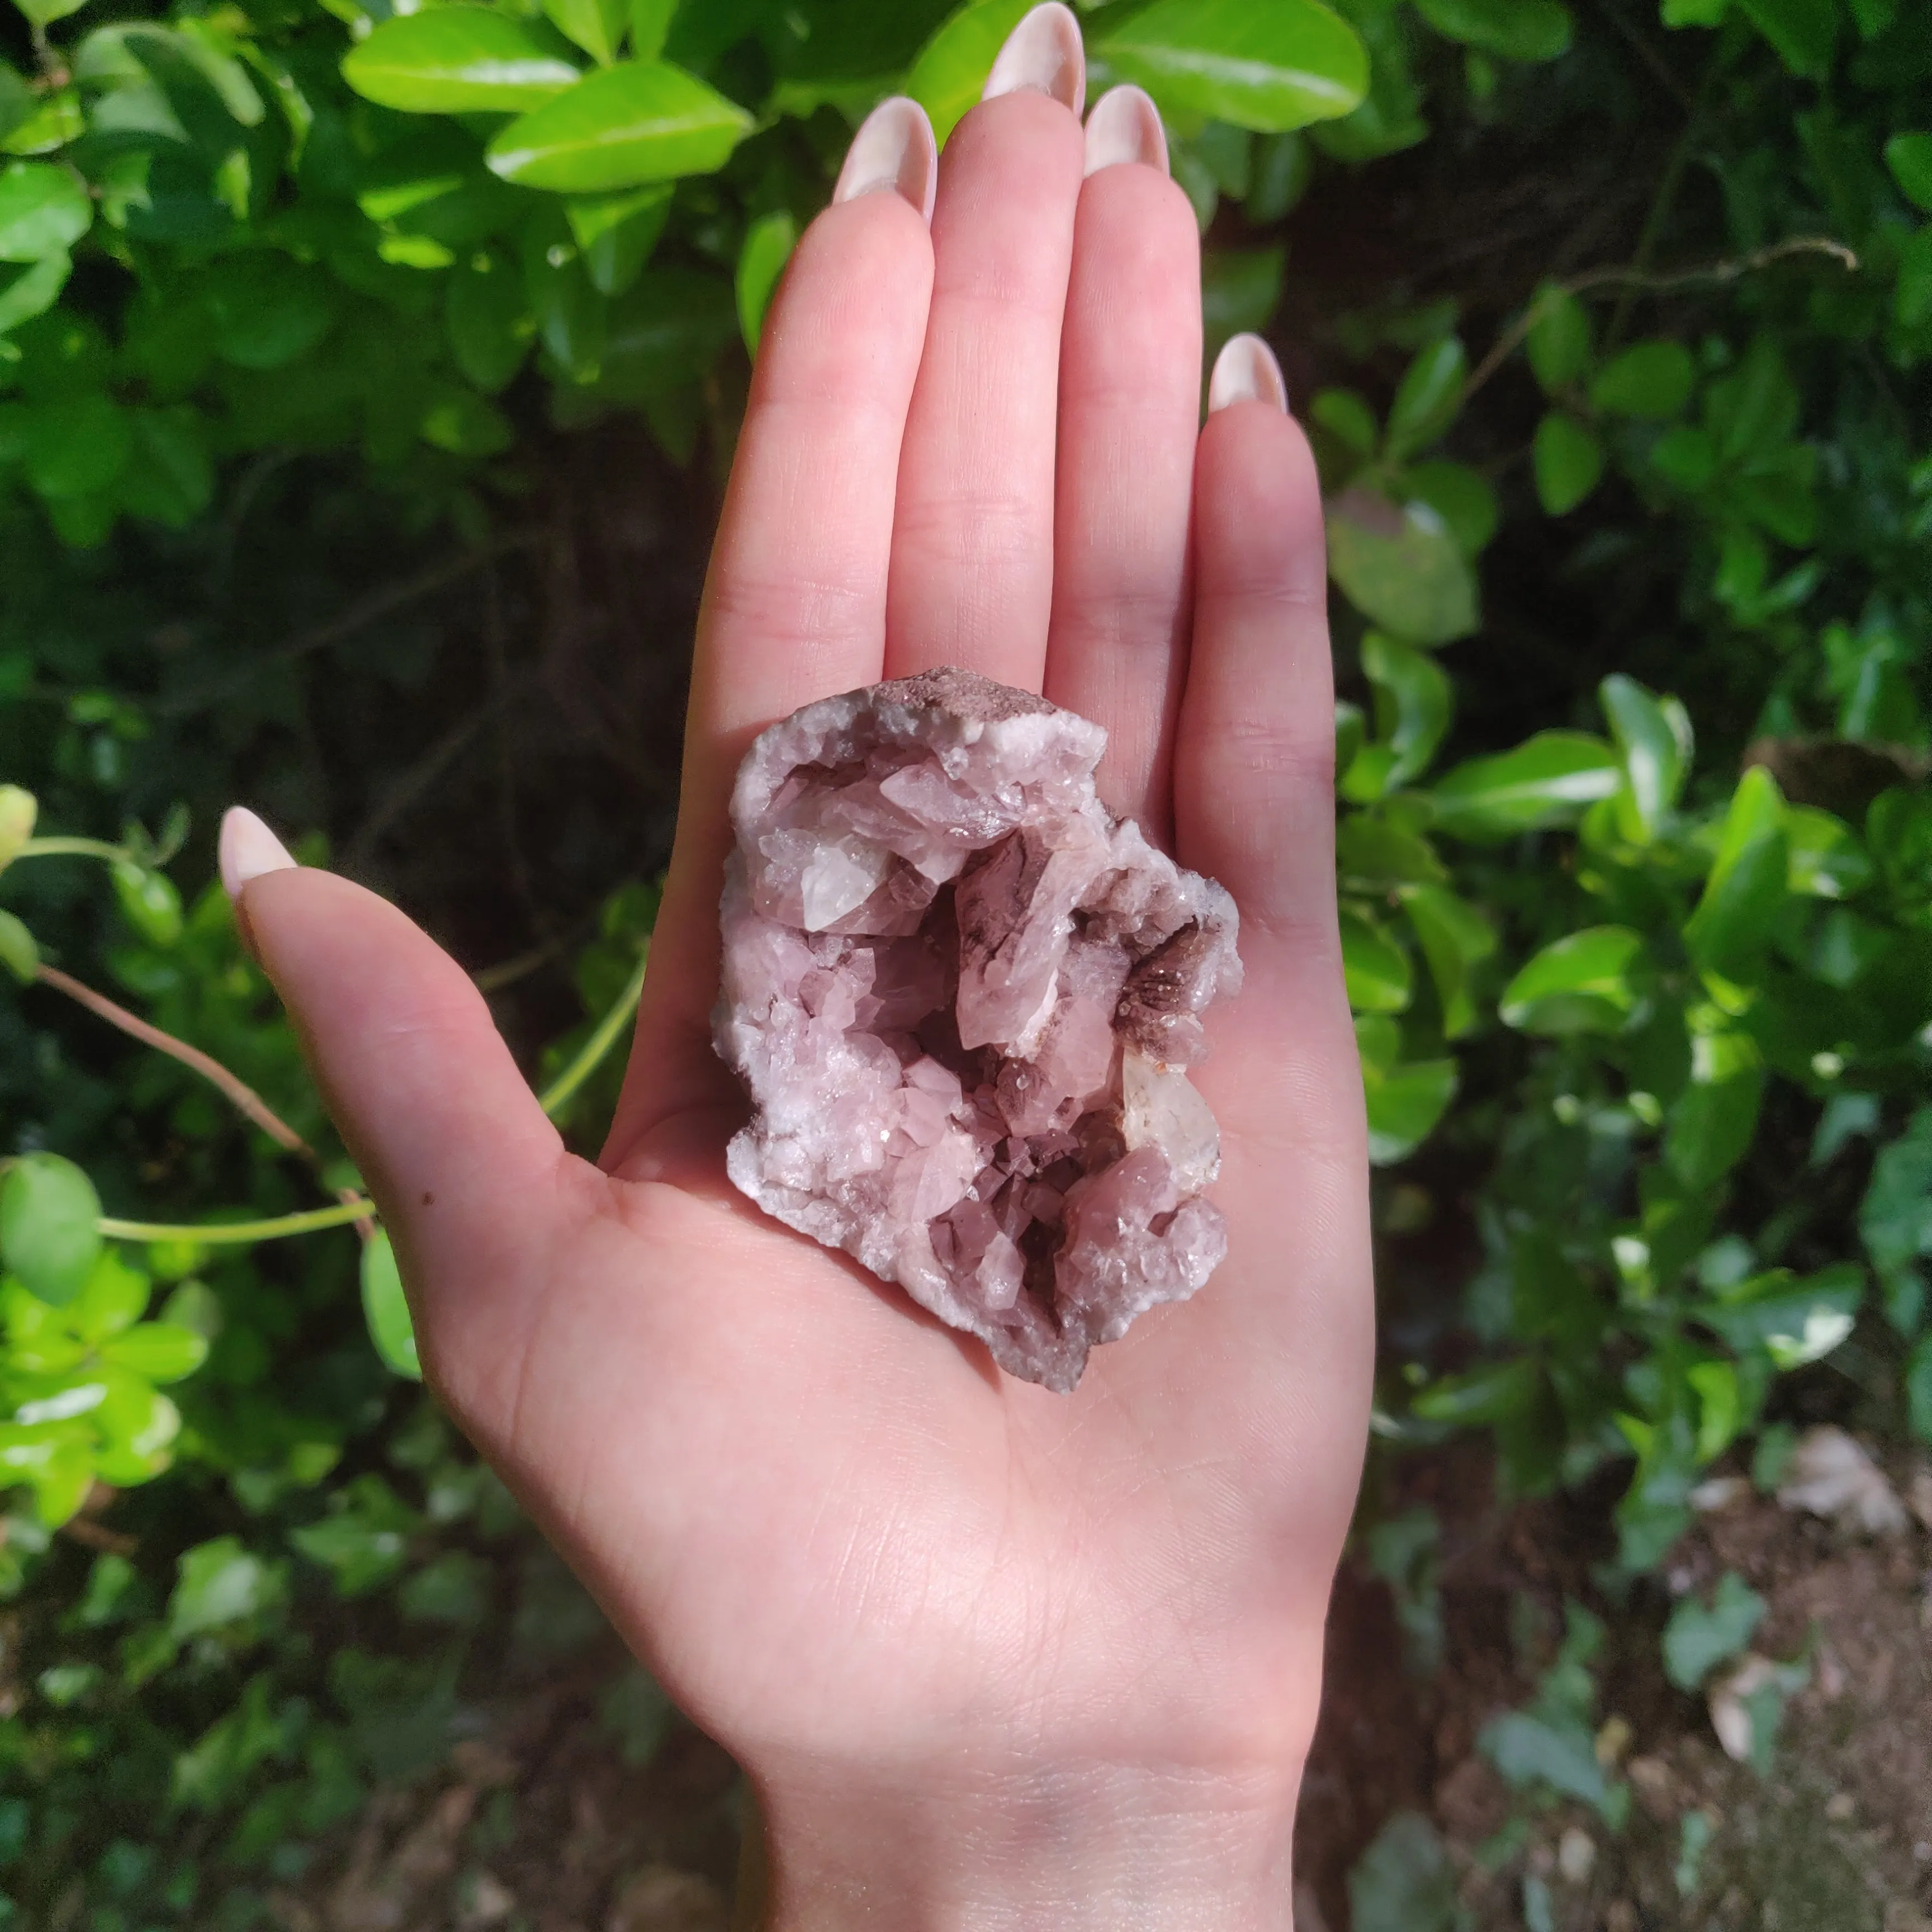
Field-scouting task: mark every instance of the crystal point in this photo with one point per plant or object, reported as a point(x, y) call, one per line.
point(963, 998)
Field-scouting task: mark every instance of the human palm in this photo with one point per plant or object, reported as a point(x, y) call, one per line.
point(895, 1582)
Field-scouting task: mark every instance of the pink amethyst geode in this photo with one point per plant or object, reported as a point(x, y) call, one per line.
point(962, 995)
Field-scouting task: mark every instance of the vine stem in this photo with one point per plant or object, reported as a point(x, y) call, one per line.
point(358, 1208)
point(243, 1097)
point(599, 1043)
point(1646, 281)
point(71, 848)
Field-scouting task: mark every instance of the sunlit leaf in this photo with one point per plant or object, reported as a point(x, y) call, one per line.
point(458, 59)
point(638, 122)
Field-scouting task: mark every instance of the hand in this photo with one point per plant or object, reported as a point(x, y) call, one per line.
point(989, 1655)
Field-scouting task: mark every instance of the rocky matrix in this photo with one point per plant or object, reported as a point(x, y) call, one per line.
point(962, 995)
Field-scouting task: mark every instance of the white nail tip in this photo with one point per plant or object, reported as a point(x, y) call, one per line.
point(247, 850)
point(894, 149)
point(1044, 52)
point(1245, 371)
point(1125, 126)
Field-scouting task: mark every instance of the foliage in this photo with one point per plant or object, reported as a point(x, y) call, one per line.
point(1634, 847)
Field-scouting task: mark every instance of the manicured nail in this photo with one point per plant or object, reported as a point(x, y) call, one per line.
point(1044, 52)
point(1245, 371)
point(1125, 126)
point(247, 850)
point(893, 149)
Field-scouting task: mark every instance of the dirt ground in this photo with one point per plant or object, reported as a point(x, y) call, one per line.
point(539, 1827)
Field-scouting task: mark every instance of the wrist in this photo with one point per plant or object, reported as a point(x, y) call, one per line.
point(1125, 1850)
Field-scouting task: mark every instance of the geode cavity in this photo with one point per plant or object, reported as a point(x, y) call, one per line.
point(962, 995)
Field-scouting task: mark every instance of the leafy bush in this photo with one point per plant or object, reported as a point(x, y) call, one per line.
point(1635, 844)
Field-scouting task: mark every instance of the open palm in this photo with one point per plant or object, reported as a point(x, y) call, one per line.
point(867, 1561)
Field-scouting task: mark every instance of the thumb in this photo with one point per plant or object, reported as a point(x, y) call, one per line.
point(460, 1159)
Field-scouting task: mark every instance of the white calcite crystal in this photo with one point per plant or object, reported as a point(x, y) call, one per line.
point(963, 997)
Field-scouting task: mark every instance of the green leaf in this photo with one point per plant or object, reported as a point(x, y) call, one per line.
point(951, 70)
point(1747, 884)
point(1461, 496)
point(77, 447)
point(156, 1351)
point(48, 1236)
point(1581, 983)
point(17, 100)
point(1652, 380)
point(1712, 1121)
point(1697, 1639)
point(1372, 854)
point(768, 242)
point(1412, 708)
point(458, 60)
point(650, 21)
point(1405, 1102)
point(386, 1309)
point(1517, 30)
point(1918, 1387)
point(1794, 1321)
point(1427, 398)
point(25, 293)
point(18, 951)
point(268, 310)
point(1654, 740)
point(1375, 970)
point(149, 902)
point(1805, 32)
point(365, 1539)
point(1559, 342)
point(597, 26)
point(1568, 461)
point(616, 232)
point(44, 210)
point(1546, 780)
point(1828, 860)
point(1404, 1881)
point(639, 122)
point(1494, 1393)
point(1456, 938)
point(221, 1583)
point(169, 478)
point(1909, 158)
point(1269, 68)
point(44, 13)
point(1240, 290)
point(1530, 1751)
point(1401, 568)
point(1895, 1217)
point(1347, 417)
point(488, 316)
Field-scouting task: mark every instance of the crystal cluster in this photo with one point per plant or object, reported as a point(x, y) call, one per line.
point(962, 996)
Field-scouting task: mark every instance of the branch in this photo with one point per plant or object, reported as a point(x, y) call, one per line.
point(1647, 282)
point(243, 1097)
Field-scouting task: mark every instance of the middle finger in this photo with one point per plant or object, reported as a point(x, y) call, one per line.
point(971, 581)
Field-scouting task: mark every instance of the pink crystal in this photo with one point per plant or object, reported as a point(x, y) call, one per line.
point(963, 997)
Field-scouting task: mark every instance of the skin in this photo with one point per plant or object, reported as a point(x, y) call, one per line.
point(990, 1657)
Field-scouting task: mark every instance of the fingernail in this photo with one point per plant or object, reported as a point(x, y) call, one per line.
point(1125, 126)
point(247, 850)
point(893, 149)
point(1043, 52)
point(1245, 371)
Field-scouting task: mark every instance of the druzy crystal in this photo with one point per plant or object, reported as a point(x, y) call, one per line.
point(963, 997)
